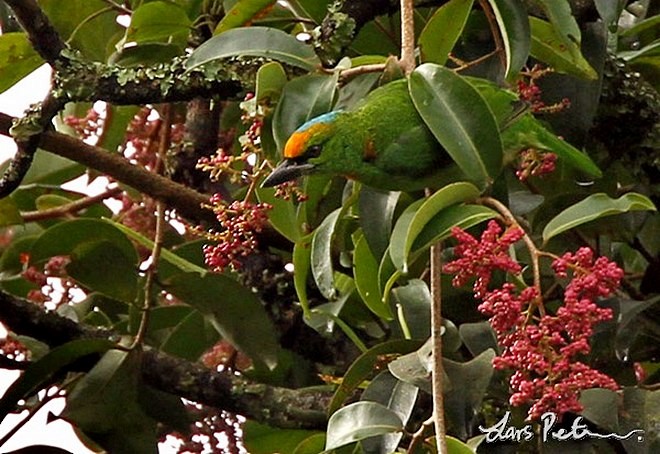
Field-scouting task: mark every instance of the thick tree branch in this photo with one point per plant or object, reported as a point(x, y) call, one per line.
point(281, 407)
point(187, 202)
point(43, 36)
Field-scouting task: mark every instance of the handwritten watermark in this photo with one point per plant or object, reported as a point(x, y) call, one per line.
point(503, 431)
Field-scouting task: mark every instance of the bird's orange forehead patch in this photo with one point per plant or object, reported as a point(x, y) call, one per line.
point(295, 146)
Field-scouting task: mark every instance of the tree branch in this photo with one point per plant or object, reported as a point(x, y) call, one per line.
point(187, 202)
point(281, 407)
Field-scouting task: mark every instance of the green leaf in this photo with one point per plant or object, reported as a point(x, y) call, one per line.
point(271, 79)
point(415, 301)
point(359, 421)
point(103, 267)
point(241, 13)
point(159, 22)
point(48, 201)
point(17, 59)
point(233, 310)
point(9, 213)
point(478, 337)
point(529, 132)
point(417, 215)
point(255, 42)
point(551, 48)
point(513, 22)
point(40, 373)
point(64, 237)
point(311, 445)
point(283, 215)
point(365, 270)
point(321, 255)
point(594, 207)
point(262, 439)
point(302, 99)
point(442, 31)
point(165, 254)
point(87, 25)
point(376, 210)
point(416, 368)
point(48, 168)
point(114, 126)
point(363, 368)
point(104, 405)
point(456, 446)
point(302, 259)
point(439, 226)
point(189, 338)
point(396, 395)
point(469, 383)
point(561, 18)
point(460, 120)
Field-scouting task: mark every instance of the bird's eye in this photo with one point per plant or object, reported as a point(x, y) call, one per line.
point(314, 151)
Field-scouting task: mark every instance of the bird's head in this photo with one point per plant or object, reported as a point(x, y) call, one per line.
point(303, 149)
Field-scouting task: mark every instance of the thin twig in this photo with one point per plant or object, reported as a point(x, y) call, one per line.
point(163, 147)
point(364, 69)
point(69, 208)
point(436, 341)
point(407, 60)
point(418, 437)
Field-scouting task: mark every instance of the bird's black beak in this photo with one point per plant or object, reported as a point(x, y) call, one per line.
point(288, 170)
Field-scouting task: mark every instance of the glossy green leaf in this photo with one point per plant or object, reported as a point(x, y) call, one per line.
point(415, 301)
point(48, 168)
point(359, 421)
point(159, 22)
point(439, 226)
point(48, 201)
point(460, 120)
point(610, 10)
point(105, 405)
point(513, 23)
point(17, 59)
point(241, 13)
point(302, 99)
point(594, 207)
point(650, 51)
point(64, 237)
point(262, 439)
point(311, 445)
point(417, 215)
point(365, 270)
point(650, 23)
point(233, 310)
point(87, 25)
point(443, 30)
point(264, 42)
point(189, 338)
point(103, 267)
point(478, 337)
point(165, 254)
point(416, 368)
point(271, 79)
point(9, 213)
point(376, 213)
point(39, 373)
point(145, 54)
point(302, 259)
point(560, 16)
point(321, 255)
point(363, 367)
point(456, 446)
point(551, 48)
point(283, 215)
point(396, 395)
point(529, 132)
point(114, 126)
point(470, 381)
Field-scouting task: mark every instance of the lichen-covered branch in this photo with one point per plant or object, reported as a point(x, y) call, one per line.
point(280, 407)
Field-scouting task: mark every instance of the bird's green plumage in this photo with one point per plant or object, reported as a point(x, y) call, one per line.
point(383, 143)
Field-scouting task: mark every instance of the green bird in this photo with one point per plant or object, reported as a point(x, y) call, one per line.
point(382, 143)
point(385, 144)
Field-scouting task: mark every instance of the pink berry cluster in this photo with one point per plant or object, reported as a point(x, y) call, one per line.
point(46, 292)
point(240, 221)
point(536, 163)
point(543, 350)
point(529, 91)
point(91, 125)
